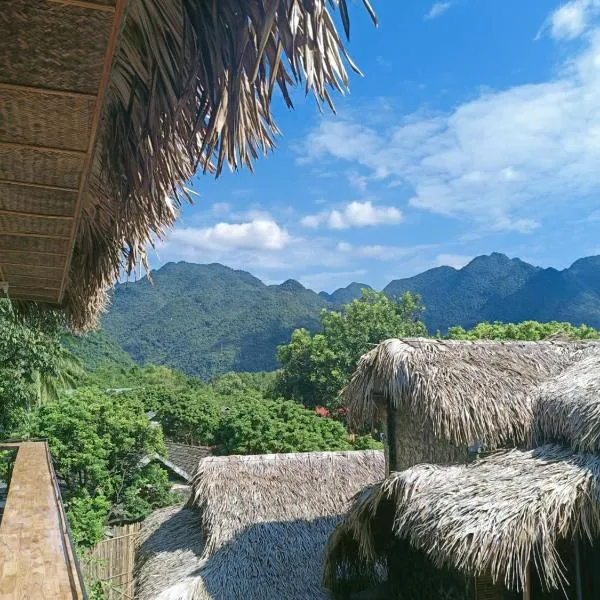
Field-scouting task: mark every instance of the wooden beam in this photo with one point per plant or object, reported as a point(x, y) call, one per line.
point(86, 4)
point(27, 266)
point(30, 290)
point(18, 276)
point(48, 91)
point(39, 186)
point(18, 146)
point(18, 213)
point(43, 252)
point(108, 59)
point(35, 235)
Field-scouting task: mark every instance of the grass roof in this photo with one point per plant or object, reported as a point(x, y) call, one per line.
point(567, 407)
point(491, 517)
point(255, 527)
point(462, 391)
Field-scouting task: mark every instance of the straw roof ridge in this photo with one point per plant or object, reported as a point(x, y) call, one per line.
point(277, 487)
point(465, 391)
point(567, 407)
point(191, 85)
point(264, 522)
point(489, 517)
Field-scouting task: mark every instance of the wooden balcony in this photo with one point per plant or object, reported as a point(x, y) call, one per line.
point(37, 560)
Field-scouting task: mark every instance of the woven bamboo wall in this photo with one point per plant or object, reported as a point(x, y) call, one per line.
point(111, 562)
point(416, 444)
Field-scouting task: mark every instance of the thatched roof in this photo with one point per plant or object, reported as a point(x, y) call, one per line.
point(109, 106)
point(255, 527)
point(493, 516)
point(567, 407)
point(463, 391)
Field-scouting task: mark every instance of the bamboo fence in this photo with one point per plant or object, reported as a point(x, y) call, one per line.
point(111, 562)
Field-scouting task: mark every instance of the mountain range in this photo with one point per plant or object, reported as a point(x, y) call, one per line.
point(209, 319)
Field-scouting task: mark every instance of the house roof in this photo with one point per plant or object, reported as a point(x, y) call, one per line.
point(491, 517)
point(109, 106)
point(464, 391)
point(255, 527)
point(185, 459)
point(566, 407)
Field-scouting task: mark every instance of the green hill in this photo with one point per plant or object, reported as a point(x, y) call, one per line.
point(210, 319)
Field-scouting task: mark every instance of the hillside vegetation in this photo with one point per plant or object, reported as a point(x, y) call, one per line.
point(210, 319)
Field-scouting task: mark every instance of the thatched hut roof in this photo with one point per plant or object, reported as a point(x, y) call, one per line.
point(255, 527)
point(492, 516)
point(464, 391)
point(567, 407)
point(109, 106)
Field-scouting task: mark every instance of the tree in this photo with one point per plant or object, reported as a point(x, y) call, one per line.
point(314, 367)
point(34, 365)
point(97, 441)
point(254, 425)
point(527, 330)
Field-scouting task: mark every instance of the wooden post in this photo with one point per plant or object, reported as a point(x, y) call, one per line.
point(391, 434)
point(527, 586)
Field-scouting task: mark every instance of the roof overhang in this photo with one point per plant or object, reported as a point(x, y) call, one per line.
point(52, 85)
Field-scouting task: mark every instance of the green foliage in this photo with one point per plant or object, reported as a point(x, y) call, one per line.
point(33, 363)
point(208, 319)
point(97, 441)
point(191, 417)
point(115, 377)
point(254, 425)
point(366, 442)
point(315, 367)
point(87, 515)
point(527, 330)
point(96, 349)
point(229, 383)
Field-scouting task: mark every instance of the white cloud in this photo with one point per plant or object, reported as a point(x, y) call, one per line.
point(571, 19)
point(357, 181)
point(221, 209)
point(354, 214)
point(383, 252)
point(437, 10)
point(452, 260)
point(503, 160)
point(258, 234)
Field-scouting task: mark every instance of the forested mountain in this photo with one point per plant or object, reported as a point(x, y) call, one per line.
point(496, 288)
point(209, 319)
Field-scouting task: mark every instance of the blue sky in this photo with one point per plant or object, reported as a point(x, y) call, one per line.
point(476, 128)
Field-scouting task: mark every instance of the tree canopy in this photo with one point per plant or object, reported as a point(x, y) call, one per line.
point(34, 365)
point(97, 441)
point(527, 330)
point(315, 367)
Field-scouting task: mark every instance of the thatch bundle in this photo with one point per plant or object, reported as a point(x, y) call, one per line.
point(179, 84)
point(255, 527)
point(567, 407)
point(460, 391)
point(492, 517)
